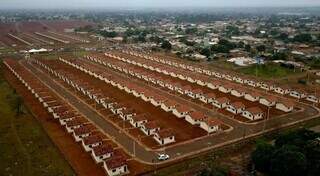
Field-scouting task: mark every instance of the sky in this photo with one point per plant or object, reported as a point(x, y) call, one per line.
point(25, 4)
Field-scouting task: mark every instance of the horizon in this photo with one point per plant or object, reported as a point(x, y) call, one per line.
point(155, 4)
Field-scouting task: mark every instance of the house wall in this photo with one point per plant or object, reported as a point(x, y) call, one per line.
point(117, 171)
point(266, 102)
point(250, 98)
point(190, 120)
point(283, 108)
point(204, 126)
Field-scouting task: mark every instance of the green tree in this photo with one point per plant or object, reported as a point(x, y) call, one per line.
point(312, 152)
point(261, 156)
point(191, 30)
point(302, 38)
point(166, 45)
point(205, 52)
point(296, 138)
point(288, 161)
point(16, 103)
point(261, 48)
point(247, 47)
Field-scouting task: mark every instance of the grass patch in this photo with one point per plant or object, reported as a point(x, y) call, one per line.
point(25, 147)
point(270, 70)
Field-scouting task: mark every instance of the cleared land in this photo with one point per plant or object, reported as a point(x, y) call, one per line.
point(25, 147)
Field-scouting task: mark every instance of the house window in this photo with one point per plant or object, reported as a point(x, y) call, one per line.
point(114, 170)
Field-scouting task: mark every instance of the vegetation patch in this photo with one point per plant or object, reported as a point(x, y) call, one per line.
point(269, 70)
point(295, 153)
point(25, 147)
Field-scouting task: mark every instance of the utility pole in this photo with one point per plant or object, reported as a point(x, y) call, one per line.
point(265, 121)
point(134, 148)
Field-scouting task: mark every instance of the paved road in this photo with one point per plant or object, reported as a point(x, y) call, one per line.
point(239, 132)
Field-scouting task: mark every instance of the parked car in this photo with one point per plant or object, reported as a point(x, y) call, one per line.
point(163, 157)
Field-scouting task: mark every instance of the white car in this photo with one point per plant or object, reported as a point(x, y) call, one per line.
point(163, 157)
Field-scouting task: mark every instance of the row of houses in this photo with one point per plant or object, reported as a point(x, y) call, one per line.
point(268, 86)
point(93, 141)
point(210, 98)
point(142, 121)
point(168, 106)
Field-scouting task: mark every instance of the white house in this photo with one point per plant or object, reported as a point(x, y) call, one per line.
point(208, 97)
point(252, 96)
point(238, 92)
point(181, 111)
point(221, 102)
point(91, 141)
point(67, 117)
point(266, 86)
point(298, 94)
point(236, 107)
point(251, 83)
point(75, 123)
point(195, 117)
point(197, 93)
point(226, 88)
point(215, 84)
point(253, 113)
point(312, 98)
point(210, 125)
point(268, 101)
point(116, 166)
point(102, 152)
point(164, 136)
point(147, 96)
point(127, 113)
point(150, 128)
point(157, 100)
point(169, 105)
point(282, 90)
point(83, 132)
point(138, 120)
point(285, 106)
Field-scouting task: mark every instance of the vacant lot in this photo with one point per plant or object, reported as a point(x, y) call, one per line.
point(269, 71)
point(25, 147)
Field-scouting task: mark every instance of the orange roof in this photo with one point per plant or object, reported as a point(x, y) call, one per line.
point(183, 108)
point(238, 105)
point(211, 95)
point(151, 125)
point(165, 133)
point(170, 103)
point(254, 110)
point(213, 122)
point(223, 100)
point(115, 162)
point(271, 98)
point(196, 115)
point(287, 103)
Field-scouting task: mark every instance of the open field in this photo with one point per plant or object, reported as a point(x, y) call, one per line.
point(25, 147)
point(269, 71)
point(27, 35)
